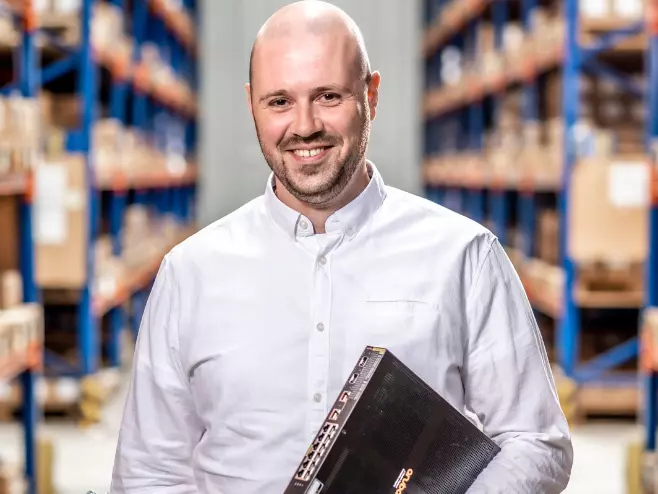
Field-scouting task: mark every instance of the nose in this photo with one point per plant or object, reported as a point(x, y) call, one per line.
point(306, 122)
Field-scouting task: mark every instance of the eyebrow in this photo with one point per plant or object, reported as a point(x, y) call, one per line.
point(321, 89)
point(272, 94)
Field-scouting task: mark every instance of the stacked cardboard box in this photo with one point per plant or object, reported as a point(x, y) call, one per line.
point(11, 479)
point(19, 134)
point(116, 148)
point(8, 33)
point(110, 149)
point(20, 328)
point(548, 231)
point(506, 142)
point(605, 107)
point(109, 34)
point(531, 152)
point(165, 81)
point(11, 289)
point(145, 236)
point(108, 269)
point(60, 17)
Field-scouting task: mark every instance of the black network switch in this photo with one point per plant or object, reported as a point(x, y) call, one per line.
point(390, 433)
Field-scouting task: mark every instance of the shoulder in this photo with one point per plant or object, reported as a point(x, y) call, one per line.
point(226, 235)
point(436, 223)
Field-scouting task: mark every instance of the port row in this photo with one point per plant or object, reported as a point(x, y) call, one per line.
point(316, 452)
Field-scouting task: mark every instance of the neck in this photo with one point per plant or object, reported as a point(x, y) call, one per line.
point(318, 215)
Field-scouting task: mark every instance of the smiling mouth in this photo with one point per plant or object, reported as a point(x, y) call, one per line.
point(310, 154)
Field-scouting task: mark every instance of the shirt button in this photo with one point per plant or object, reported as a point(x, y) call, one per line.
point(303, 225)
point(350, 232)
point(317, 397)
point(322, 260)
point(320, 327)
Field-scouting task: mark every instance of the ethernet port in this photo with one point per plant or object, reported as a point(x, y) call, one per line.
point(334, 414)
point(363, 361)
point(344, 396)
point(353, 378)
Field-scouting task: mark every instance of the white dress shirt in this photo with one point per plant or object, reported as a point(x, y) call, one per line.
point(254, 324)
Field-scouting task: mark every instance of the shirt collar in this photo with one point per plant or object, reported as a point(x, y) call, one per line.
point(349, 220)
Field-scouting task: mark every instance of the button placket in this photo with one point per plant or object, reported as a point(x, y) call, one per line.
point(319, 347)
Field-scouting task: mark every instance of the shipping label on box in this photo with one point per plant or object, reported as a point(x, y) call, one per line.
point(595, 8)
point(67, 6)
point(628, 184)
point(50, 204)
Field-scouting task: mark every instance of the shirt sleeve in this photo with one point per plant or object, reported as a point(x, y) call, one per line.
point(509, 385)
point(159, 429)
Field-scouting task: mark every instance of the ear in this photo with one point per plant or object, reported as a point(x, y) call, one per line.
point(247, 88)
point(373, 93)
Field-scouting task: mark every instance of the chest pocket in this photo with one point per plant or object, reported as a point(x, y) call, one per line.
point(400, 321)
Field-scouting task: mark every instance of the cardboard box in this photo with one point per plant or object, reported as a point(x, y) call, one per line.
point(11, 289)
point(66, 111)
point(548, 232)
point(608, 215)
point(61, 223)
point(9, 239)
point(11, 479)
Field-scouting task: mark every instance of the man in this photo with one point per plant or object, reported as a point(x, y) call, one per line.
point(255, 322)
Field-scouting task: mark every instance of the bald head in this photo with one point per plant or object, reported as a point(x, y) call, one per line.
point(300, 20)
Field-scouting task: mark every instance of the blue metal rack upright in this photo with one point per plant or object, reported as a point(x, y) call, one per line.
point(29, 85)
point(650, 370)
point(475, 104)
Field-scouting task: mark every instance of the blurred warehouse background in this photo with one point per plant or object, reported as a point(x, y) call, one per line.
point(537, 118)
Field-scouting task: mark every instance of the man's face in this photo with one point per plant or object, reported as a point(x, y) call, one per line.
point(312, 114)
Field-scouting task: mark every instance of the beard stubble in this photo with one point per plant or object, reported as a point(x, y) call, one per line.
point(335, 175)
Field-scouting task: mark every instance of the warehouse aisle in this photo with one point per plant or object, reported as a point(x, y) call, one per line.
point(598, 467)
point(83, 458)
point(599, 461)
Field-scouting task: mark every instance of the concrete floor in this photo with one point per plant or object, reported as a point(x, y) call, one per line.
point(84, 458)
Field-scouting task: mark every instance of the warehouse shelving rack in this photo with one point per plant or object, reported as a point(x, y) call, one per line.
point(174, 34)
point(173, 31)
point(455, 120)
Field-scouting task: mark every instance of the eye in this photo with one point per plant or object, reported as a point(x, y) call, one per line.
point(278, 103)
point(330, 98)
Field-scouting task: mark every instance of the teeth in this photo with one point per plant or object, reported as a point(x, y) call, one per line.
point(307, 153)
